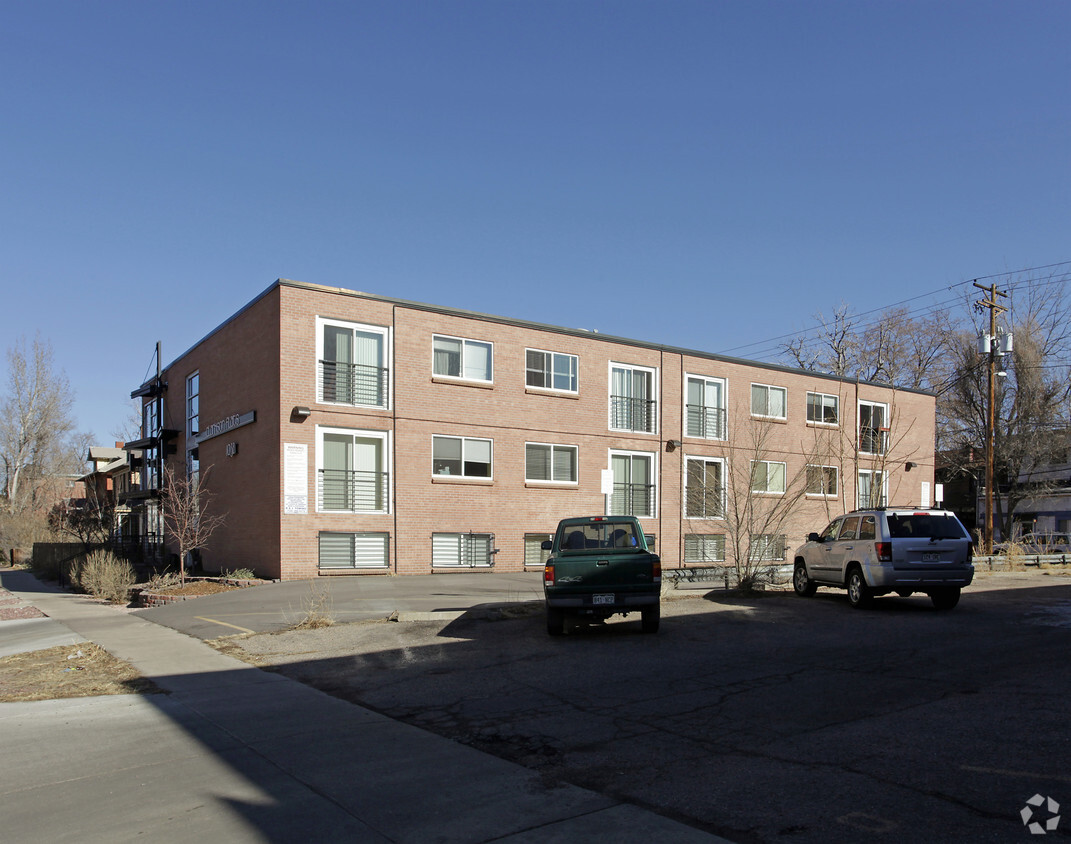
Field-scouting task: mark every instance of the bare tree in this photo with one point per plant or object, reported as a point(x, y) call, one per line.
point(35, 426)
point(185, 505)
point(760, 497)
point(834, 348)
point(90, 520)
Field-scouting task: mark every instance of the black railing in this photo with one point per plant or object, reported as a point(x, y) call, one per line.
point(706, 421)
point(632, 500)
point(704, 502)
point(354, 383)
point(873, 440)
point(346, 491)
point(629, 414)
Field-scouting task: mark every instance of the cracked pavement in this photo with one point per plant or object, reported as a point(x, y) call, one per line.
point(768, 719)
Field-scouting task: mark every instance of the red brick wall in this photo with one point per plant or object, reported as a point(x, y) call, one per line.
point(265, 358)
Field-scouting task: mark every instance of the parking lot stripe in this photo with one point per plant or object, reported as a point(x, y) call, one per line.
point(225, 624)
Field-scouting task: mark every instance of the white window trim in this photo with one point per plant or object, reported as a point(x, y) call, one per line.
point(755, 415)
point(528, 386)
point(388, 345)
point(769, 463)
point(684, 488)
point(724, 404)
point(551, 482)
point(884, 487)
point(462, 378)
point(467, 478)
point(384, 437)
point(610, 396)
point(820, 423)
point(887, 428)
point(653, 455)
point(810, 494)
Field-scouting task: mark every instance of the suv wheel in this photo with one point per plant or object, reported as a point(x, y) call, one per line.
point(945, 598)
point(803, 585)
point(859, 593)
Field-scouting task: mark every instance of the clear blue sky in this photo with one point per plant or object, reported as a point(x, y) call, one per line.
point(704, 174)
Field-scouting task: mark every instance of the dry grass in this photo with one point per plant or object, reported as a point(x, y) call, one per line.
point(83, 670)
point(316, 609)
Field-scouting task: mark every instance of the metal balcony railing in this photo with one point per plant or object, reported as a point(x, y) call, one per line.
point(706, 421)
point(354, 383)
point(632, 500)
point(873, 440)
point(631, 414)
point(342, 491)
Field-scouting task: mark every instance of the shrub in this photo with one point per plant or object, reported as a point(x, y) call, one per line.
point(103, 575)
point(240, 574)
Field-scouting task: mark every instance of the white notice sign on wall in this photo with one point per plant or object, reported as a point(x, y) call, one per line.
point(295, 478)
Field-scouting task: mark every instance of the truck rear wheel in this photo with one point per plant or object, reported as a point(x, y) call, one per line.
point(555, 622)
point(651, 618)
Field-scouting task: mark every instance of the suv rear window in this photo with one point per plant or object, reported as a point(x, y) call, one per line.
point(601, 535)
point(925, 525)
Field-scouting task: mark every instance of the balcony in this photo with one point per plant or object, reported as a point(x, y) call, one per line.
point(873, 440)
point(707, 422)
point(353, 384)
point(632, 414)
point(632, 500)
point(343, 491)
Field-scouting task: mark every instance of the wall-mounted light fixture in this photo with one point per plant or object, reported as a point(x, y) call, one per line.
point(909, 466)
point(300, 413)
point(672, 445)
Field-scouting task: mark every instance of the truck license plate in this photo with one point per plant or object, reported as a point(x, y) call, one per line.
point(931, 558)
point(602, 599)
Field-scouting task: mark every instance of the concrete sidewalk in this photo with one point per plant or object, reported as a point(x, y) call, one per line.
point(238, 754)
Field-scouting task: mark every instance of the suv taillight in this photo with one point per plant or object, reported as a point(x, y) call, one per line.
point(970, 553)
point(656, 571)
point(884, 550)
point(548, 575)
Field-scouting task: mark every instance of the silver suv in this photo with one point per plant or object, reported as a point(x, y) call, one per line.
point(875, 552)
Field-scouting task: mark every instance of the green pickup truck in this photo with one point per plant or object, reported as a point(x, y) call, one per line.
point(600, 566)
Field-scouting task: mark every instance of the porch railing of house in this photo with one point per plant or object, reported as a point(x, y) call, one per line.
point(354, 383)
point(347, 491)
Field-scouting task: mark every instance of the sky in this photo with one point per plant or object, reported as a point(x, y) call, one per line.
point(708, 175)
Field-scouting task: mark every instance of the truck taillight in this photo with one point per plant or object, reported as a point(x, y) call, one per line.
point(548, 575)
point(884, 550)
point(656, 571)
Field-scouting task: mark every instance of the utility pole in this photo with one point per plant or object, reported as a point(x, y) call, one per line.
point(994, 309)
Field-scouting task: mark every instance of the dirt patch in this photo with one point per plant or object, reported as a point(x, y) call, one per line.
point(198, 587)
point(82, 670)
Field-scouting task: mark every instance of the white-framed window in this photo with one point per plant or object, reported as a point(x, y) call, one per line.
point(550, 463)
point(873, 427)
point(193, 406)
point(534, 555)
point(352, 471)
point(822, 480)
point(462, 457)
point(633, 402)
point(767, 547)
point(634, 484)
point(768, 476)
point(338, 550)
point(458, 357)
point(551, 371)
point(823, 409)
point(768, 402)
point(352, 363)
point(462, 550)
point(702, 548)
point(705, 407)
point(704, 488)
point(872, 489)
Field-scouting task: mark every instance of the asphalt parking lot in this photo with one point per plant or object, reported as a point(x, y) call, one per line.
point(768, 719)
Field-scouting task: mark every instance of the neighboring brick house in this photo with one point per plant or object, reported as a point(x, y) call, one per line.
point(353, 433)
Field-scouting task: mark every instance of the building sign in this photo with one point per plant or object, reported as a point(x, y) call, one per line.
point(295, 478)
point(226, 425)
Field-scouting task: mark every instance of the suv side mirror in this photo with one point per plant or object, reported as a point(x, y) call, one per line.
point(546, 545)
point(813, 537)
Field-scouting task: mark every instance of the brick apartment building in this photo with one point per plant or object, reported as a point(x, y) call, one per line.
point(354, 433)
